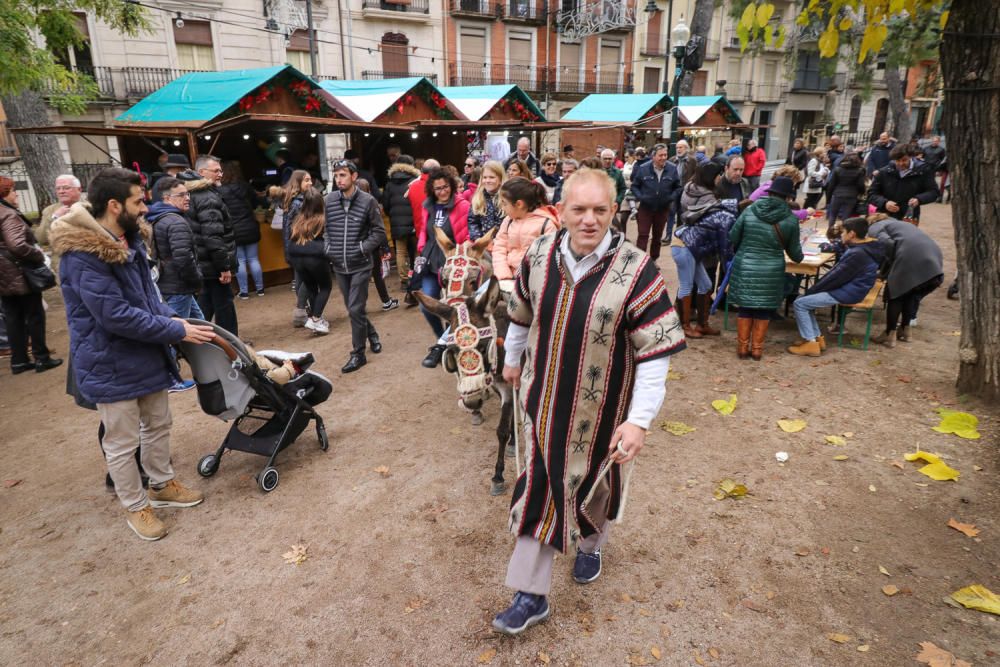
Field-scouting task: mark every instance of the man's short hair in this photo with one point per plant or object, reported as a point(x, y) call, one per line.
point(571, 162)
point(899, 151)
point(608, 151)
point(69, 177)
point(657, 148)
point(111, 183)
point(405, 159)
point(735, 156)
point(430, 164)
point(857, 225)
point(203, 160)
point(164, 185)
point(600, 176)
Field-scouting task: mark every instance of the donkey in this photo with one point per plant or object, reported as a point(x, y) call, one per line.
point(475, 354)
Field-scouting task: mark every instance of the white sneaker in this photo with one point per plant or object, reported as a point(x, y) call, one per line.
point(913, 322)
point(319, 326)
point(310, 324)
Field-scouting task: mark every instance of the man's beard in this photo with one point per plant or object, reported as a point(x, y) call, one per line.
point(128, 222)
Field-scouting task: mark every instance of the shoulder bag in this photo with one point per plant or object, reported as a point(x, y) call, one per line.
point(38, 278)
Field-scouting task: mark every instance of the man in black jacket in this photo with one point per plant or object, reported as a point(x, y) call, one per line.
point(354, 230)
point(903, 185)
point(174, 251)
point(397, 207)
point(655, 186)
point(214, 240)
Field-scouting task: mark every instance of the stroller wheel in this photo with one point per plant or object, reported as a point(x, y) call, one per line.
point(267, 480)
point(324, 442)
point(208, 465)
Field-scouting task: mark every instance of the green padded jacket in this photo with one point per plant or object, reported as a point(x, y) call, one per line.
point(758, 277)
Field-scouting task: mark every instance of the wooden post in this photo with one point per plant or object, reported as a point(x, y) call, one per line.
point(192, 142)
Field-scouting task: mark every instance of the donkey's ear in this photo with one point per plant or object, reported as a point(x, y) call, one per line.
point(480, 246)
point(486, 302)
point(444, 242)
point(442, 310)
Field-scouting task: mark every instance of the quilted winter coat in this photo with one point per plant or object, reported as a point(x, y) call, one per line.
point(15, 238)
point(758, 277)
point(516, 236)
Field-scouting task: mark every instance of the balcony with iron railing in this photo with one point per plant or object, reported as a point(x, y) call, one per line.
point(535, 79)
point(654, 44)
point(738, 91)
point(407, 6)
point(376, 74)
point(767, 92)
point(528, 11)
point(484, 9)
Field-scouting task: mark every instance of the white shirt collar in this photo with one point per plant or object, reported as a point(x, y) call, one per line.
point(591, 258)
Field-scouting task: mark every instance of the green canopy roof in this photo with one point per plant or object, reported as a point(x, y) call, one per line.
point(601, 108)
point(370, 99)
point(199, 97)
point(476, 101)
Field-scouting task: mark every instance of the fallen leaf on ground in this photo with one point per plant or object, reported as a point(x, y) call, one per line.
point(898, 464)
point(803, 552)
point(11, 483)
point(825, 551)
point(697, 657)
point(296, 555)
point(890, 590)
point(835, 440)
point(183, 580)
point(729, 489)
point(626, 597)
point(863, 648)
point(979, 598)
point(486, 656)
point(655, 652)
point(791, 425)
point(676, 428)
point(674, 375)
point(544, 658)
point(413, 605)
point(849, 434)
point(752, 606)
point(961, 424)
point(906, 379)
point(839, 637)
point(955, 333)
point(884, 571)
point(725, 407)
point(936, 469)
point(714, 652)
point(821, 482)
point(967, 528)
point(382, 470)
point(636, 659)
point(977, 468)
point(871, 487)
point(936, 656)
point(841, 457)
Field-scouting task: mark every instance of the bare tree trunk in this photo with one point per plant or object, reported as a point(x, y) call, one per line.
point(40, 152)
point(970, 63)
point(902, 124)
point(701, 24)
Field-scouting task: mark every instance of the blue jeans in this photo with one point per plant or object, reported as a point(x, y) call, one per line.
point(804, 313)
point(429, 286)
point(185, 305)
point(247, 254)
point(690, 273)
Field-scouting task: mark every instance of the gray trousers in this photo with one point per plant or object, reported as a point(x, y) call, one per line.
point(354, 288)
point(530, 566)
point(144, 420)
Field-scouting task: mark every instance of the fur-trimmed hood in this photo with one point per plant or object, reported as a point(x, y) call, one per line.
point(193, 181)
point(407, 169)
point(78, 231)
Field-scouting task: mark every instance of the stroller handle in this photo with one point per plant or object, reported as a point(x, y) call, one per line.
point(226, 347)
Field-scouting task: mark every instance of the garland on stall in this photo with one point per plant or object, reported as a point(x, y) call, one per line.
point(301, 91)
point(658, 109)
point(523, 112)
point(433, 99)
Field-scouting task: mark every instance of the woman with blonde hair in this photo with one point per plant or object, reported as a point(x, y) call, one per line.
point(485, 212)
point(308, 258)
point(298, 184)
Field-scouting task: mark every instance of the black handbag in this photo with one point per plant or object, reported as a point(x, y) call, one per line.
point(39, 278)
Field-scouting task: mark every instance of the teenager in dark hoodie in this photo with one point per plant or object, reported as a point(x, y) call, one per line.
point(847, 183)
point(847, 282)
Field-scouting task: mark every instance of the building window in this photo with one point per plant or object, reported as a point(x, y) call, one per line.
point(651, 79)
point(297, 52)
point(855, 116)
point(194, 45)
point(395, 57)
point(807, 74)
point(78, 58)
point(473, 60)
point(520, 60)
point(700, 84)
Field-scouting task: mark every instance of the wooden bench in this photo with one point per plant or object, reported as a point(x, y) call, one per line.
point(866, 305)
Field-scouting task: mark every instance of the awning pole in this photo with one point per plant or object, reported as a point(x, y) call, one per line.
point(192, 142)
point(211, 150)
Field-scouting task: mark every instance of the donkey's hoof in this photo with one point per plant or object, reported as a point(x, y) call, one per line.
point(498, 489)
point(477, 418)
point(509, 451)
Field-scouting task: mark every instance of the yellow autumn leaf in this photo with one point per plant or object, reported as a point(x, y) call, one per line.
point(748, 16)
point(968, 529)
point(791, 425)
point(944, 18)
point(890, 590)
point(840, 457)
point(845, 23)
point(883, 571)
point(961, 424)
point(764, 13)
point(829, 41)
point(486, 656)
point(979, 598)
point(769, 34)
point(674, 375)
point(835, 440)
point(935, 656)
point(863, 648)
point(729, 489)
point(802, 19)
point(839, 637)
point(895, 6)
point(779, 41)
point(936, 469)
point(724, 407)
point(655, 652)
point(677, 428)
point(297, 555)
point(544, 658)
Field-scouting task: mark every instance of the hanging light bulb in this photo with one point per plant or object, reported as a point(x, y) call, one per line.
point(434, 134)
point(283, 139)
point(179, 22)
point(312, 134)
point(177, 142)
point(366, 134)
point(391, 135)
point(413, 135)
point(245, 137)
point(208, 137)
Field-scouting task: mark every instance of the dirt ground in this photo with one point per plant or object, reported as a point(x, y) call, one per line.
point(406, 566)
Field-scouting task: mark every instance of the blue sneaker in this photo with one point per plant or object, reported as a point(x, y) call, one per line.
point(587, 567)
point(183, 385)
point(525, 611)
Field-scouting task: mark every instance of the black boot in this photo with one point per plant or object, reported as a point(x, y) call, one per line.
point(42, 365)
point(356, 361)
point(433, 357)
point(374, 343)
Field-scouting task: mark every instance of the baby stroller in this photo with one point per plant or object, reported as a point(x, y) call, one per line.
point(269, 415)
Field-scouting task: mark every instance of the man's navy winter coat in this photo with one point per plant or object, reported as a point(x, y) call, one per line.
point(652, 193)
point(119, 330)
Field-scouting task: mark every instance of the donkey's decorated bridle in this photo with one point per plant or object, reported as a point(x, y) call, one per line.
point(475, 373)
point(459, 270)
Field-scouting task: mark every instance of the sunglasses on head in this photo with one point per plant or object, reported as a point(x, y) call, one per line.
point(345, 164)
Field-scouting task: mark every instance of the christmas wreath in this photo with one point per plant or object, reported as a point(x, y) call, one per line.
point(308, 101)
point(521, 109)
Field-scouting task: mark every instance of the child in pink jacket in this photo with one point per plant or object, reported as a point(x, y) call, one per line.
point(529, 215)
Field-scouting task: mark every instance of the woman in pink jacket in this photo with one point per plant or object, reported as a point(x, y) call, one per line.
point(529, 215)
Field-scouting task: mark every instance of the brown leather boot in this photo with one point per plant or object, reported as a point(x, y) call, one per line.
point(689, 331)
point(704, 307)
point(757, 335)
point(744, 325)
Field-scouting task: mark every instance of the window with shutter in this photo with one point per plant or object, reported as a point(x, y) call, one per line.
point(472, 52)
point(569, 65)
point(395, 57)
point(194, 45)
point(651, 78)
point(297, 52)
point(520, 63)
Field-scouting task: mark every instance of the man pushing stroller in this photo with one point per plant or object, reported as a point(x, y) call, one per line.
point(120, 335)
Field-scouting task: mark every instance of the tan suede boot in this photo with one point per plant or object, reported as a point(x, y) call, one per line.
point(809, 348)
point(758, 333)
point(704, 306)
point(689, 331)
point(744, 325)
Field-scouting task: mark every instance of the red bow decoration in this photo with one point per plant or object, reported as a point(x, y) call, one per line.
point(312, 104)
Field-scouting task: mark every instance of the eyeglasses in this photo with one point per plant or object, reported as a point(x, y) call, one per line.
point(182, 195)
point(469, 165)
point(442, 188)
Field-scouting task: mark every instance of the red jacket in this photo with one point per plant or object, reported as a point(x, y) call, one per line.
point(754, 162)
point(417, 194)
point(458, 217)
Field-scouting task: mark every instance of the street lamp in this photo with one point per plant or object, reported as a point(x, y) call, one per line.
point(679, 37)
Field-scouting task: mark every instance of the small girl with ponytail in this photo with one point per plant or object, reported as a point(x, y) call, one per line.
point(529, 215)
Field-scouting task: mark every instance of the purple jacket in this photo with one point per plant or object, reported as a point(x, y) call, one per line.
point(761, 191)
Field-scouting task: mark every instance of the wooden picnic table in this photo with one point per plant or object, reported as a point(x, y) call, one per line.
point(810, 264)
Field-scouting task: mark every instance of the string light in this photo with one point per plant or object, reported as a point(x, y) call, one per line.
point(245, 137)
point(283, 139)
